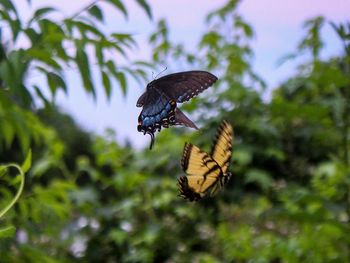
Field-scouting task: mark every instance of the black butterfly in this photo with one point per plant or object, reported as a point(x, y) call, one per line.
point(160, 99)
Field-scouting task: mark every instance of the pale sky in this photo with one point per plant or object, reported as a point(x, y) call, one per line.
point(277, 25)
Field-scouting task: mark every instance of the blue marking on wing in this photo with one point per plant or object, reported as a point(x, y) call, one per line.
point(153, 114)
point(156, 107)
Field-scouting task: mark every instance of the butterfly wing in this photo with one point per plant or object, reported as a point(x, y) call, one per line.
point(142, 99)
point(159, 100)
point(182, 119)
point(222, 147)
point(202, 173)
point(157, 112)
point(183, 86)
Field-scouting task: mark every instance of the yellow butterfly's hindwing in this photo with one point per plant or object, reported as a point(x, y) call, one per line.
point(206, 172)
point(185, 190)
point(221, 183)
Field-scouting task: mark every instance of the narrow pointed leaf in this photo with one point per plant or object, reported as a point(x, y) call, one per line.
point(96, 12)
point(122, 80)
point(41, 12)
point(27, 162)
point(82, 61)
point(118, 4)
point(146, 7)
point(106, 84)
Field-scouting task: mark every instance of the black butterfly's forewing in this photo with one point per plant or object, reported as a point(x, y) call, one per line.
point(183, 86)
point(143, 98)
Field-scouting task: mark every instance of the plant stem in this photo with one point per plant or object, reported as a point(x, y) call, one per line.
point(19, 192)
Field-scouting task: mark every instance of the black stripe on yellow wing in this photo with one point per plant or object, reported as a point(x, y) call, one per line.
point(194, 187)
point(197, 162)
point(222, 146)
point(186, 191)
point(206, 173)
point(202, 173)
point(222, 181)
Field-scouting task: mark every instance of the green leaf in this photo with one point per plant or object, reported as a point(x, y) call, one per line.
point(122, 80)
point(99, 54)
point(15, 24)
point(55, 81)
point(106, 84)
point(39, 13)
point(118, 4)
point(82, 61)
point(7, 232)
point(28, 162)
point(85, 27)
point(96, 12)
point(15, 27)
point(240, 23)
point(41, 95)
point(146, 7)
point(32, 35)
point(211, 39)
point(55, 38)
point(242, 156)
point(119, 76)
point(3, 170)
point(8, 6)
point(43, 56)
point(125, 39)
point(144, 64)
point(260, 177)
point(8, 131)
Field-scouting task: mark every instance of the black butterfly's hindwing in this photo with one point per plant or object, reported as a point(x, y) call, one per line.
point(154, 116)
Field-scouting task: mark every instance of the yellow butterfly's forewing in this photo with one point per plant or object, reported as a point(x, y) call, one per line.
point(222, 147)
point(197, 162)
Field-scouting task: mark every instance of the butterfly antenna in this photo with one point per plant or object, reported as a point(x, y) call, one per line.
point(161, 71)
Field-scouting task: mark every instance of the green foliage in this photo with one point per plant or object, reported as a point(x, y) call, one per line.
point(89, 199)
point(54, 47)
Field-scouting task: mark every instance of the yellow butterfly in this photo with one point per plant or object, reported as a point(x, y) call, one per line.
point(206, 172)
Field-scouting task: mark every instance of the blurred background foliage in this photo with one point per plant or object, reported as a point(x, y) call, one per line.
point(86, 198)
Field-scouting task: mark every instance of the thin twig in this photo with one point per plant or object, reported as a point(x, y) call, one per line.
point(84, 9)
point(19, 192)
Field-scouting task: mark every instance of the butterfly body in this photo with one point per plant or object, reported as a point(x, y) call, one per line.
point(206, 172)
point(162, 95)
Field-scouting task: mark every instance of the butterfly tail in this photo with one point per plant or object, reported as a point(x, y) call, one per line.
point(152, 139)
point(182, 119)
